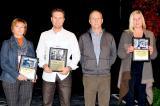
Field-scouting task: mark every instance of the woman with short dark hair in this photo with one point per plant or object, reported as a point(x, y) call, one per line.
point(17, 89)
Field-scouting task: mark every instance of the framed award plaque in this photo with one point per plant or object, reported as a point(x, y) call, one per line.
point(57, 59)
point(28, 67)
point(141, 49)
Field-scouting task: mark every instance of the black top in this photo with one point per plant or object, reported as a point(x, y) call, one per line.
point(137, 67)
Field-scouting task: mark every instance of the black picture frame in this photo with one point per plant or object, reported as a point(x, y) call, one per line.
point(141, 49)
point(57, 58)
point(28, 67)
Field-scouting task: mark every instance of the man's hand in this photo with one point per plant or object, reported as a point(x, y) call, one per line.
point(47, 69)
point(66, 70)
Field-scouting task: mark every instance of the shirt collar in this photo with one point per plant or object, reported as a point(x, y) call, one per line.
point(93, 33)
point(57, 32)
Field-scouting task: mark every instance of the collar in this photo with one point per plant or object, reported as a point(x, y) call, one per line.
point(94, 33)
point(14, 42)
point(57, 32)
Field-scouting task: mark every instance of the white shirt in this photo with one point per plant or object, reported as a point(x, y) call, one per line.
point(63, 39)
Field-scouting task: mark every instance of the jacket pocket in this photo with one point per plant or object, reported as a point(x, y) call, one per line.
point(90, 64)
point(104, 64)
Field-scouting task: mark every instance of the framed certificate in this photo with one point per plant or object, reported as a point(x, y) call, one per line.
point(57, 58)
point(28, 67)
point(141, 50)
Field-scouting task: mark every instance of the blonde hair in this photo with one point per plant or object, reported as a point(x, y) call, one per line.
point(131, 27)
point(16, 20)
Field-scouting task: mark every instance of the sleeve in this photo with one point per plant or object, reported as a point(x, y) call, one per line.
point(40, 51)
point(153, 44)
point(122, 46)
point(81, 48)
point(113, 51)
point(5, 64)
point(75, 52)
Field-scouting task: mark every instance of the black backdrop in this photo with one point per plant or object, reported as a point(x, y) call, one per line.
point(37, 14)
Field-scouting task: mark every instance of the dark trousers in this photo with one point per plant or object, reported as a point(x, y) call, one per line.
point(18, 93)
point(64, 91)
point(139, 92)
point(136, 89)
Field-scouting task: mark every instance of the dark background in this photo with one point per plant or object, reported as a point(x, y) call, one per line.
point(37, 15)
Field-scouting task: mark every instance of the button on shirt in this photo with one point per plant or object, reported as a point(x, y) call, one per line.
point(63, 39)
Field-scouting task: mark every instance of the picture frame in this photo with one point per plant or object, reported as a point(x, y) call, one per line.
point(57, 58)
point(141, 49)
point(28, 67)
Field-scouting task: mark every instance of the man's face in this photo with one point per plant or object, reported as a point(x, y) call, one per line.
point(57, 19)
point(96, 20)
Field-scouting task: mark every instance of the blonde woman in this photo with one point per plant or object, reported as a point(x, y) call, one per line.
point(17, 89)
point(136, 77)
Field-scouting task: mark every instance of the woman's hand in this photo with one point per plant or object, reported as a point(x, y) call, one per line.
point(150, 49)
point(22, 77)
point(34, 81)
point(130, 49)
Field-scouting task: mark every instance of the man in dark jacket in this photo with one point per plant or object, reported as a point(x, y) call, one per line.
point(98, 53)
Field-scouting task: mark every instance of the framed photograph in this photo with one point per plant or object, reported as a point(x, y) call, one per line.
point(57, 58)
point(141, 50)
point(28, 67)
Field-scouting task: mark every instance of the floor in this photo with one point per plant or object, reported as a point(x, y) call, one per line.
point(76, 100)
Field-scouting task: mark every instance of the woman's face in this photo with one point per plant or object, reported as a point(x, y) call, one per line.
point(19, 30)
point(137, 21)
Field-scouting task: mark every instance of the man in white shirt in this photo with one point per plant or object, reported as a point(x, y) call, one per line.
point(57, 37)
